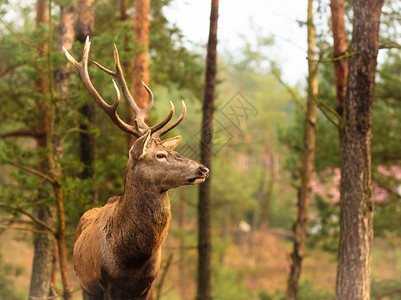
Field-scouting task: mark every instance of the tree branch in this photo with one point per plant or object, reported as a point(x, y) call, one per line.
point(29, 215)
point(388, 76)
point(32, 171)
point(36, 220)
point(321, 105)
point(26, 229)
point(23, 133)
point(334, 59)
point(290, 90)
point(390, 45)
point(16, 35)
point(387, 293)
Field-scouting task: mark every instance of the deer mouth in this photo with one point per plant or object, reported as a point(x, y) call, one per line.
point(197, 180)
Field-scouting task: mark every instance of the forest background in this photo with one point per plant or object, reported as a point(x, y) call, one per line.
point(257, 150)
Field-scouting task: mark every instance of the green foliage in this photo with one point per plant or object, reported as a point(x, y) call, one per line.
point(264, 295)
point(229, 284)
point(324, 226)
point(8, 273)
point(306, 292)
point(386, 289)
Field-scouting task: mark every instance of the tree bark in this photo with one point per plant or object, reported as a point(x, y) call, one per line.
point(123, 4)
point(42, 265)
point(86, 19)
point(127, 65)
point(141, 32)
point(356, 213)
point(55, 169)
point(204, 290)
point(43, 243)
point(308, 164)
point(339, 48)
point(66, 38)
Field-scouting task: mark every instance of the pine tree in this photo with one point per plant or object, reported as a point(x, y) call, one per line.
point(307, 165)
point(356, 214)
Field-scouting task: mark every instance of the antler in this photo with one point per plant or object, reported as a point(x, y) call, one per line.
point(139, 127)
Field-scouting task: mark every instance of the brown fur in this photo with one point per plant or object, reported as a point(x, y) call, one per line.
point(117, 249)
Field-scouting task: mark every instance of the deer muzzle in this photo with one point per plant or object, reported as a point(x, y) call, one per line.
point(203, 173)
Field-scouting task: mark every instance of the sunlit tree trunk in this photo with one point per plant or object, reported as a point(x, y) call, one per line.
point(141, 32)
point(308, 164)
point(339, 49)
point(356, 213)
point(43, 243)
point(204, 289)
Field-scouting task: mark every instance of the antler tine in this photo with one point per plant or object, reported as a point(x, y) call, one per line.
point(111, 110)
point(140, 114)
point(163, 131)
point(157, 127)
point(151, 98)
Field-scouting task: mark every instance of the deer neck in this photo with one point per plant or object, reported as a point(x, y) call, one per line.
point(141, 218)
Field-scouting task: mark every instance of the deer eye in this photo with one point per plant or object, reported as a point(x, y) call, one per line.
point(161, 156)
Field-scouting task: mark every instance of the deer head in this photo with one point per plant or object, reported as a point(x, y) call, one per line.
point(155, 160)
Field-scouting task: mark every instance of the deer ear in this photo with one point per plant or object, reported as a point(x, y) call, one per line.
point(172, 143)
point(139, 148)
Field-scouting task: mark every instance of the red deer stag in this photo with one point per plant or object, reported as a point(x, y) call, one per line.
point(118, 246)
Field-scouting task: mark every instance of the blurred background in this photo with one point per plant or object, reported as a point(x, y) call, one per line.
point(257, 140)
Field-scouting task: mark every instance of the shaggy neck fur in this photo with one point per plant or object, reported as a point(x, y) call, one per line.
point(140, 220)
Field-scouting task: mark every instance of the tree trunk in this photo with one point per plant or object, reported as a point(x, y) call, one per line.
point(204, 290)
point(87, 141)
point(141, 32)
point(43, 243)
point(339, 49)
point(356, 213)
point(42, 264)
point(307, 166)
point(66, 38)
point(123, 4)
point(126, 65)
point(86, 19)
point(55, 169)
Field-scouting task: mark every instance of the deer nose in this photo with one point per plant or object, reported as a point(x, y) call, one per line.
point(204, 170)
